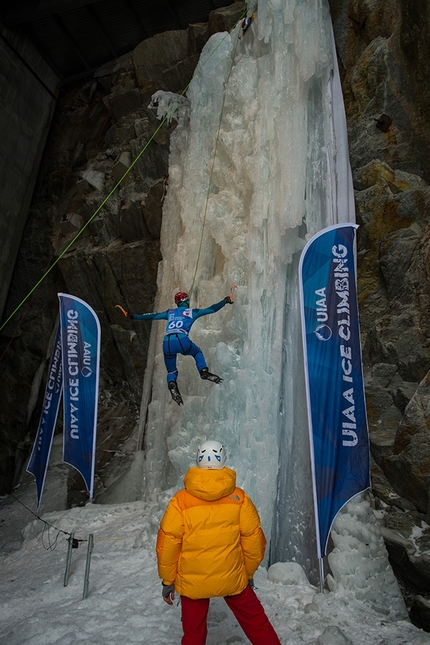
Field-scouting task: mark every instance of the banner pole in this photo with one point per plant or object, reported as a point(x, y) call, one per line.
point(321, 564)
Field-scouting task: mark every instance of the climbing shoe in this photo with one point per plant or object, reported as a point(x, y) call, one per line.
point(174, 391)
point(208, 376)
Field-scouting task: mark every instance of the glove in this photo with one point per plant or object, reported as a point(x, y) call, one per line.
point(168, 593)
point(228, 300)
point(130, 315)
point(251, 583)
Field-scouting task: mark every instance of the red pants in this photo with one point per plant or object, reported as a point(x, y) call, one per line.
point(247, 609)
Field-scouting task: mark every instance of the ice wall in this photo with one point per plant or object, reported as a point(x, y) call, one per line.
point(270, 95)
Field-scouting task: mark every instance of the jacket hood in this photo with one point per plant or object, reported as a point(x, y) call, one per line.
point(210, 484)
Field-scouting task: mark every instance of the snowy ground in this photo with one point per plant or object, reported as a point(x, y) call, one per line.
point(124, 603)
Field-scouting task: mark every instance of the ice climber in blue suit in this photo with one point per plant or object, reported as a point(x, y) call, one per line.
point(177, 341)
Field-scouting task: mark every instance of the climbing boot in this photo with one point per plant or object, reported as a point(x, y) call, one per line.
point(208, 376)
point(174, 391)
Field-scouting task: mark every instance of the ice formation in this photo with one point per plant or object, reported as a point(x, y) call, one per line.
point(259, 164)
point(359, 562)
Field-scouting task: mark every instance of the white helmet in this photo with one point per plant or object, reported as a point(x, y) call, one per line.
point(211, 455)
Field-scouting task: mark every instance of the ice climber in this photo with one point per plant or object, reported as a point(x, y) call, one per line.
point(177, 341)
point(210, 543)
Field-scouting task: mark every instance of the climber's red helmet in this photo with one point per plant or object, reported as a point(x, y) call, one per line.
point(180, 297)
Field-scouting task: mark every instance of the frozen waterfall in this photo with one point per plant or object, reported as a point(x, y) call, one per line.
point(280, 174)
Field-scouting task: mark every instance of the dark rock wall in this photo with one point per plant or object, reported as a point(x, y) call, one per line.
point(106, 250)
point(383, 51)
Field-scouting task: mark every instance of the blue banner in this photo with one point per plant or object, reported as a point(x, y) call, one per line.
point(80, 338)
point(38, 463)
point(334, 375)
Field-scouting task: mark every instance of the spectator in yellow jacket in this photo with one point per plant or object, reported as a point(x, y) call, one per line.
point(210, 543)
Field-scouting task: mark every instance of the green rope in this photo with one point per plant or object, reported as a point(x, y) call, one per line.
point(172, 109)
point(213, 163)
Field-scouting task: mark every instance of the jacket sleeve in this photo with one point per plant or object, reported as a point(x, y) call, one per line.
point(169, 542)
point(252, 539)
point(197, 313)
point(162, 315)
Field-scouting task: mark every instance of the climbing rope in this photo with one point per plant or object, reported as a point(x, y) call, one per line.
point(213, 159)
point(46, 538)
point(79, 233)
point(16, 330)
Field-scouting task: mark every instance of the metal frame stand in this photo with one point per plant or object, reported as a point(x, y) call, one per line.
point(68, 559)
point(87, 566)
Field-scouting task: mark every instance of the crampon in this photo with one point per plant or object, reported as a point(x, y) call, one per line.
point(208, 376)
point(174, 391)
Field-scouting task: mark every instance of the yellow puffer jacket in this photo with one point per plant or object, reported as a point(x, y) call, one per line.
point(210, 541)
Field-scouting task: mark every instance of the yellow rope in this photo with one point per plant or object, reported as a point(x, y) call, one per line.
point(199, 69)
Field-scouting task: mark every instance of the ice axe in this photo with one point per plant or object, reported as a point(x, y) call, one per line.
point(121, 309)
point(232, 288)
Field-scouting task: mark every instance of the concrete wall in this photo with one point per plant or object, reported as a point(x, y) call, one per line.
point(27, 101)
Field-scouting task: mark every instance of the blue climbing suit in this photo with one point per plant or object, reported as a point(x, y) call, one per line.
point(176, 340)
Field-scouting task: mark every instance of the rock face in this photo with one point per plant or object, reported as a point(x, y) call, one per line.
point(107, 250)
point(100, 128)
point(383, 51)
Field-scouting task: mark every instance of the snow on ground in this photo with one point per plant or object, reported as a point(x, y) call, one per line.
point(124, 603)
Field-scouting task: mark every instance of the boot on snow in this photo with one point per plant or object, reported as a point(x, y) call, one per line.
point(174, 391)
point(208, 376)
